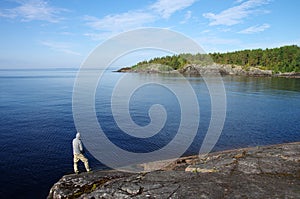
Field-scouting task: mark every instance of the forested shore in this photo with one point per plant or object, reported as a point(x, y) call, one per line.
point(284, 59)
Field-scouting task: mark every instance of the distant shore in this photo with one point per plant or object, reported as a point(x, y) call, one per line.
point(256, 172)
point(198, 70)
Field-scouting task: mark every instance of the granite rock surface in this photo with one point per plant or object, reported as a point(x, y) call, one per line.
point(259, 172)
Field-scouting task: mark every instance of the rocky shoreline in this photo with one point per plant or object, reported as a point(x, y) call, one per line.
point(197, 70)
point(257, 172)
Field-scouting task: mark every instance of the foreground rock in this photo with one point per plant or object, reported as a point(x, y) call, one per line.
point(260, 172)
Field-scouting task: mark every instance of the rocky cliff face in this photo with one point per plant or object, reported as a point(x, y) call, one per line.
point(223, 70)
point(260, 172)
point(194, 69)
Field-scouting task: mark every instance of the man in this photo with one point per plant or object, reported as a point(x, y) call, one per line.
point(77, 152)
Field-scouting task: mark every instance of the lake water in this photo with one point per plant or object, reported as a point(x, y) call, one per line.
point(37, 124)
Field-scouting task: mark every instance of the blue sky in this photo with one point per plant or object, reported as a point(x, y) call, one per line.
point(60, 34)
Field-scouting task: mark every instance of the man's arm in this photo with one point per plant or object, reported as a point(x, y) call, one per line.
point(80, 146)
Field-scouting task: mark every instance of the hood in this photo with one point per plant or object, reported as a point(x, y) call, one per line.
point(78, 135)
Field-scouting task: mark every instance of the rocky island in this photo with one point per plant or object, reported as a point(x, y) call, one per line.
point(257, 172)
point(277, 62)
point(198, 70)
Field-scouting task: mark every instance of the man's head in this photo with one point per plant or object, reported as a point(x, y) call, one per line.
point(78, 135)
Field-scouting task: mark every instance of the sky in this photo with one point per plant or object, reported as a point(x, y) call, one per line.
point(61, 34)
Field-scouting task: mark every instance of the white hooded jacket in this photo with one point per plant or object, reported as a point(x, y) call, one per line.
point(77, 145)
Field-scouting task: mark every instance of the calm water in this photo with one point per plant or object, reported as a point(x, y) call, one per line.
point(37, 124)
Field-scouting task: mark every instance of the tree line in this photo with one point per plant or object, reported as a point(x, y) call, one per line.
point(282, 59)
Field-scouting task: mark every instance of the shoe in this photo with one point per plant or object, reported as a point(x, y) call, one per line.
point(76, 172)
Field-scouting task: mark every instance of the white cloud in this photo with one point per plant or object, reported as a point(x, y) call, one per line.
point(60, 47)
point(167, 7)
point(115, 23)
point(98, 36)
point(66, 33)
point(30, 10)
point(120, 22)
point(137, 18)
point(255, 29)
point(205, 31)
point(236, 14)
point(187, 16)
point(224, 29)
point(238, 1)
